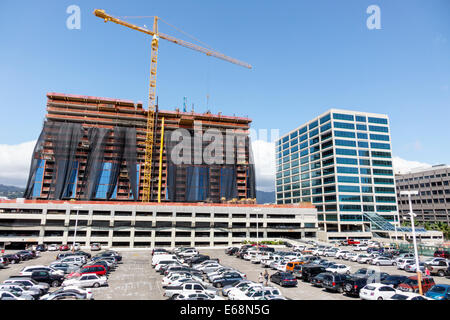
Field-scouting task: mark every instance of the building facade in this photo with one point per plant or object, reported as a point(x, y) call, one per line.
point(147, 225)
point(341, 161)
point(93, 148)
point(432, 204)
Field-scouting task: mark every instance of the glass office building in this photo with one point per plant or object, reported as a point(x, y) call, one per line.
point(340, 161)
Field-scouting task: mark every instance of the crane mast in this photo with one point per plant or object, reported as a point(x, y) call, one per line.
point(149, 140)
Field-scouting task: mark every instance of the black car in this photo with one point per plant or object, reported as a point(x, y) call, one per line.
point(197, 259)
point(353, 285)
point(311, 270)
point(284, 279)
point(12, 258)
point(24, 255)
point(231, 251)
point(52, 279)
point(226, 279)
point(394, 280)
point(447, 272)
point(334, 282)
point(41, 247)
point(317, 280)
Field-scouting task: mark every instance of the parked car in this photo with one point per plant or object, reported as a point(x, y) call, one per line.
point(226, 279)
point(187, 288)
point(63, 247)
point(383, 261)
point(75, 247)
point(394, 280)
point(442, 254)
point(438, 269)
point(439, 292)
point(377, 291)
point(402, 263)
point(27, 271)
point(352, 285)
point(96, 246)
point(412, 267)
point(12, 258)
point(237, 285)
point(408, 296)
point(53, 247)
point(29, 284)
point(64, 267)
point(334, 281)
point(21, 289)
point(53, 279)
point(338, 268)
point(97, 269)
point(317, 280)
point(310, 271)
point(411, 284)
point(86, 281)
point(12, 295)
point(41, 247)
point(284, 279)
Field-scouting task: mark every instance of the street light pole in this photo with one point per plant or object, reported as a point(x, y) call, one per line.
point(416, 255)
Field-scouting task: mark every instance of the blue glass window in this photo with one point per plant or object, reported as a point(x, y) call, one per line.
point(325, 118)
point(347, 170)
point(303, 130)
point(378, 129)
point(360, 118)
point(348, 188)
point(376, 145)
point(362, 135)
point(363, 144)
point(344, 134)
point(343, 125)
point(381, 137)
point(340, 116)
point(346, 152)
point(345, 143)
point(72, 183)
point(361, 127)
point(378, 120)
point(313, 125)
point(39, 179)
point(348, 179)
point(346, 161)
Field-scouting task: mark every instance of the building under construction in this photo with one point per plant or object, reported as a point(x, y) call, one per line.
point(93, 148)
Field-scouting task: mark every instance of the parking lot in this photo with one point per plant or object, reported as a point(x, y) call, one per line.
point(135, 279)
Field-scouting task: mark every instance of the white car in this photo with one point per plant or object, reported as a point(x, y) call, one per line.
point(236, 292)
point(298, 248)
point(79, 290)
point(251, 293)
point(341, 253)
point(86, 280)
point(27, 271)
point(188, 253)
point(339, 268)
point(157, 258)
point(377, 291)
point(12, 295)
point(73, 260)
point(349, 255)
point(75, 247)
point(364, 258)
point(330, 253)
point(402, 263)
point(382, 261)
point(53, 247)
point(360, 247)
point(408, 296)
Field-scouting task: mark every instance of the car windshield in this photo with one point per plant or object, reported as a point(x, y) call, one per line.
point(438, 289)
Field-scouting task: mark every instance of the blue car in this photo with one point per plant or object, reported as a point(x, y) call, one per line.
point(439, 292)
point(226, 279)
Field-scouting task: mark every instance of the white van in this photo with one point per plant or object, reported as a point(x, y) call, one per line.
point(160, 257)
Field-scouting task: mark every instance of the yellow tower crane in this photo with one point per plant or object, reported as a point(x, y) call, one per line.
point(156, 35)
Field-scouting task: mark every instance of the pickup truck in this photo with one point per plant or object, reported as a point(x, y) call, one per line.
point(439, 268)
point(186, 289)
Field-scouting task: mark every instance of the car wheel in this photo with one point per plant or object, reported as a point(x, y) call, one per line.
point(348, 272)
point(341, 290)
point(13, 261)
point(441, 273)
point(378, 264)
point(96, 285)
point(380, 298)
point(55, 284)
point(394, 263)
point(219, 285)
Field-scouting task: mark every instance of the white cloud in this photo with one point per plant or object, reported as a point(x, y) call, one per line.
point(402, 166)
point(264, 158)
point(15, 163)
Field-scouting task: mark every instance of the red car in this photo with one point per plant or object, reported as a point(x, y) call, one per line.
point(98, 269)
point(64, 247)
point(442, 254)
point(352, 242)
point(411, 284)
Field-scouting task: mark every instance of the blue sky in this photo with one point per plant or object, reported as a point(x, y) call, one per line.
point(308, 56)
